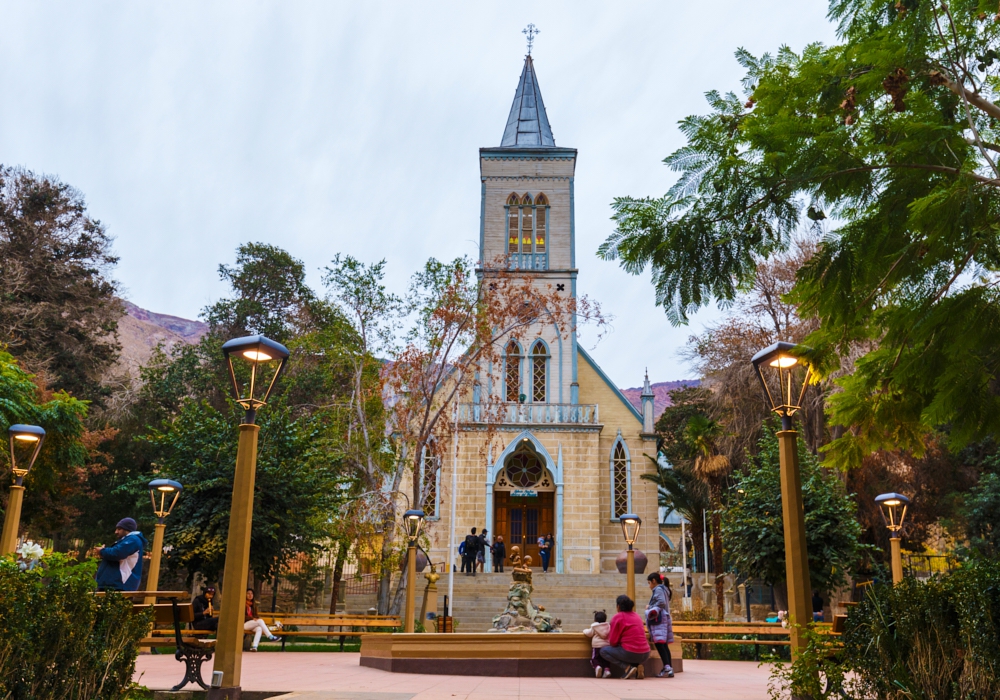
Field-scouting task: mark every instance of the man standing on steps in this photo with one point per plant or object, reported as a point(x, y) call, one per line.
point(469, 557)
point(484, 547)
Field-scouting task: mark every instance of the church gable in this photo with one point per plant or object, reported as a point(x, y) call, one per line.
point(597, 387)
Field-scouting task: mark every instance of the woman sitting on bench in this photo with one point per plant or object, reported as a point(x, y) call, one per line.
point(253, 623)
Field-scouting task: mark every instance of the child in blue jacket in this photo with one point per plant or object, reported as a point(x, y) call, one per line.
point(121, 563)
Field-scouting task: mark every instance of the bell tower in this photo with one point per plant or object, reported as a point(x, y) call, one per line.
point(527, 219)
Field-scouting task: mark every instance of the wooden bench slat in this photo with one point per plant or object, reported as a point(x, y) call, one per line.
point(760, 642)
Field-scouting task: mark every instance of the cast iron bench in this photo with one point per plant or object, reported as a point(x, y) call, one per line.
point(365, 622)
point(190, 646)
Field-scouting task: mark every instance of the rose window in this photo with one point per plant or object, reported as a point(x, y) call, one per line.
point(524, 469)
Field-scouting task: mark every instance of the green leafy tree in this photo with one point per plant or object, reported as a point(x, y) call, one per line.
point(889, 138)
point(982, 516)
point(678, 489)
point(752, 523)
point(58, 309)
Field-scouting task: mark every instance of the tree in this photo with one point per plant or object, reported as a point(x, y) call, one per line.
point(890, 137)
point(63, 460)
point(982, 516)
point(752, 523)
point(677, 489)
point(58, 309)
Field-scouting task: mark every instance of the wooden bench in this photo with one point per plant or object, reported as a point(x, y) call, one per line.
point(354, 623)
point(190, 647)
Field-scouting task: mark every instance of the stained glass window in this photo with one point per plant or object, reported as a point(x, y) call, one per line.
point(619, 480)
point(430, 487)
point(524, 469)
point(526, 224)
point(538, 378)
point(513, 373)
point(512, 223)
point(541, 208)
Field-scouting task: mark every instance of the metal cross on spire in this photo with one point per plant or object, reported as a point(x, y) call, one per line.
point(531, 31)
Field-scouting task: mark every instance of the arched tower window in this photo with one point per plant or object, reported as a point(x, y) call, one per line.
point(621, 491)
point(527, 224)
point(429, 481)
point(539, 378)
point(513, 223)
point(527, 231)
point(541, 212)
point(512, 373)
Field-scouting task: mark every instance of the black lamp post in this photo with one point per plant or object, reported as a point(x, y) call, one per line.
point(25, 444)
point(254, 363)
point(780, 372)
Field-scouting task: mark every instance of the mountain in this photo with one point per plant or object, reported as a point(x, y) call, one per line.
point(661, 394)
point(140, 331)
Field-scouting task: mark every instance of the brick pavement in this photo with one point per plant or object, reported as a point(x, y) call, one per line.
point(334, 676)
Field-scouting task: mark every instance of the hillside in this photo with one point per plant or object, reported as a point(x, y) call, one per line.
point(140, 331)
point(661, 394)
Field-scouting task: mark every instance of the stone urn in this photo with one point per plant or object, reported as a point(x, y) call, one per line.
point(422, 561)
point(622, 562)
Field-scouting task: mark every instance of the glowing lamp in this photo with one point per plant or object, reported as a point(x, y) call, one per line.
point(413, 520)
point(25, 444)
point(630, 527)
point(893, 509)
point(775, 367)
point(164, 493)
point(255, 362)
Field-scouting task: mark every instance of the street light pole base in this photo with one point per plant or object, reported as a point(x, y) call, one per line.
point(224, 693)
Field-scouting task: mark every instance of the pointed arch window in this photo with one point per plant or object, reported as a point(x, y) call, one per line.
point(430, 474)
point(621, 488)
point(539, 374)
point(527, 231)
point(512, 373)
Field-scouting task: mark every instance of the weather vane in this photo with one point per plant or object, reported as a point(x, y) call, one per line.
point(531, 31)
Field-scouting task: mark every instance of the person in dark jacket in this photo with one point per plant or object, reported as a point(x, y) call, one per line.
point(469, 558)
point(499, 553)
point(204, 612)
point(121, 563)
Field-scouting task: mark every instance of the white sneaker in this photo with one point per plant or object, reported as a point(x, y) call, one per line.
point(597, 672)
point(607, 673)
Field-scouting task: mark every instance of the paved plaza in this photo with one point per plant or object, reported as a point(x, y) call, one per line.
point(330, 676)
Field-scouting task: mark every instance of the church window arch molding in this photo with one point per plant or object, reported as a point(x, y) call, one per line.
point(527, 218)
point(621, 478)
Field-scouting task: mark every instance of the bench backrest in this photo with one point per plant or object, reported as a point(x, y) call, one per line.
point(163, 613)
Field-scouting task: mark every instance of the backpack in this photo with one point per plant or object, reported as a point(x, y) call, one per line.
point(471, 544)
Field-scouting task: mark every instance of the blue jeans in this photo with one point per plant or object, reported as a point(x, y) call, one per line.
point(545, 554)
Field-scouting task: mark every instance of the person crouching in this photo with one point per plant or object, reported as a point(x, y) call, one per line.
point(627, 648)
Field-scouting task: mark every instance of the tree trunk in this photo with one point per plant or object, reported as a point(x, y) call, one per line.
point(338, 573)
point(397, 599)
point(385, 570)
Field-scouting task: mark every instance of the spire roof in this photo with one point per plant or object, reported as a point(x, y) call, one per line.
point(528, 124)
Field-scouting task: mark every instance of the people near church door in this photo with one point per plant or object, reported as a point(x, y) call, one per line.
point(121, 563)
point(545, 551)
point(661, 628)
point(481, 552)
point(204, 611)
point(598, 633)
point(627, 648)
point(471, 546)
point(499, 553)
point(253, 623)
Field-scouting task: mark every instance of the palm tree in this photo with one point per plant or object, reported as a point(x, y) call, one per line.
point(701, 435)
point(678, 489)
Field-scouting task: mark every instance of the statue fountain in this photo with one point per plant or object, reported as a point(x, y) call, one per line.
point(521, 615)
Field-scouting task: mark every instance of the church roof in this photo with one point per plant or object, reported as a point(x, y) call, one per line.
point(528, 124)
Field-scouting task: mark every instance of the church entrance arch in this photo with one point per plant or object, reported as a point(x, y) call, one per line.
point(524, 501)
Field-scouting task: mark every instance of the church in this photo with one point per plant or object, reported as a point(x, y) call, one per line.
point(574, 447)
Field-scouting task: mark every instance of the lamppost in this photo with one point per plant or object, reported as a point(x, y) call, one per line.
point(413, 520)
point(250, 361)
point(893, 509)
point(165, 489)
point(25, 444)
point(630, 526)
point(776, 365)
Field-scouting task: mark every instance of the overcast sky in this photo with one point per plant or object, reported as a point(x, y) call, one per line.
point(327, 127)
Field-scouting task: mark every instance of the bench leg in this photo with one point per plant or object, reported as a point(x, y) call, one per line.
point(192, 668)
point(342, 641)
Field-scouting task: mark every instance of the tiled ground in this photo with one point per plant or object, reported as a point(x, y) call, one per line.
point(332, 676)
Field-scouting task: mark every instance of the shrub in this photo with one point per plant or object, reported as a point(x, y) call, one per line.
point(59, 641)
point(938, 640)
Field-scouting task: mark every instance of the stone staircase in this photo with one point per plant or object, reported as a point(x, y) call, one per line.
point(571, 597)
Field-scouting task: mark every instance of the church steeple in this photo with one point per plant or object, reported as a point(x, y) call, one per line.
point(528, 124)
